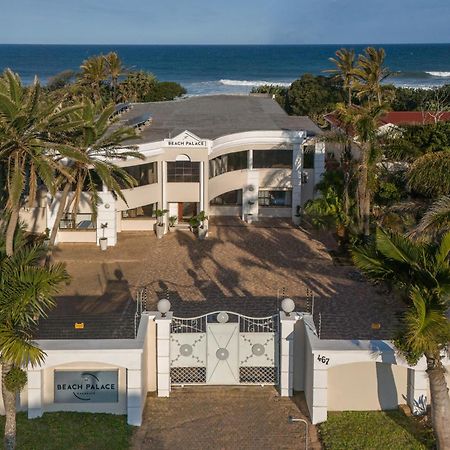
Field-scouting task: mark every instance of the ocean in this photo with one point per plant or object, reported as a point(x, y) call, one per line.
point(207, 69)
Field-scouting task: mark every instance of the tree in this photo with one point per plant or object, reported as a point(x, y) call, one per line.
point(422, 271)
point(99, 144)
point(137, 86)
point(26, 293)
point(93, 74)
point(32, 143)
point(115, 70)
point(436, 220)
point(370, 72)
point(345, 70)
point(165, 91)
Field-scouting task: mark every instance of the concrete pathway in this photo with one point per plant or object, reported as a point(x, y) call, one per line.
point(235, 418)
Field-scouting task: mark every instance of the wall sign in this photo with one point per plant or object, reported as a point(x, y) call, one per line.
point(86, 387)
point(186, 139)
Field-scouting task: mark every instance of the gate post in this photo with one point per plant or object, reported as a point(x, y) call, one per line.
point(163, 323)
point(417, 390)
point(288, 320)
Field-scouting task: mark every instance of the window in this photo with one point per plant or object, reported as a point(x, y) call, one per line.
point(272, 159)
point(141, 212)
point(81, 221)
point(228, 163)
point(308, 157)
point(231, 198)
point(275, 198)
point(183, 172)
point(144, 173)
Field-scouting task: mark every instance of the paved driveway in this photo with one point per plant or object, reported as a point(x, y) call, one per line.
point(247, 418)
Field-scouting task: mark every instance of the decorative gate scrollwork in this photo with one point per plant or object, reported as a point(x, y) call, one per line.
point(224, 348)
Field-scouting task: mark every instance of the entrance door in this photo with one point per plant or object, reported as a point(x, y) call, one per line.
point(186, 210)
point(223, 352)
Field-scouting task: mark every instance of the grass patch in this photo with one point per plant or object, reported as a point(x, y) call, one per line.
point(383, 430)
point(72, 431)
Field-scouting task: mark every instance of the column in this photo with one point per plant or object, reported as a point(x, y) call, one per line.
point(287, 326)
point(34, 387)
point(296, 181)
point(106, 218)
point(163, 353)
point(164, 204)
point(250, 196)
point(135, 397)
point(417, 390)
point(250, 160)
point(319, 161)
point(202, 186)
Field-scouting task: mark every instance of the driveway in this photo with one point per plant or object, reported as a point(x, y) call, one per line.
point(247, 418)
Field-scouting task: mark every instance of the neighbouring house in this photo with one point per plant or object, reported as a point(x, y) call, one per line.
point(226, 155)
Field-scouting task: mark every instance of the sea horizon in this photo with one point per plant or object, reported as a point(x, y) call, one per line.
point(206, 69)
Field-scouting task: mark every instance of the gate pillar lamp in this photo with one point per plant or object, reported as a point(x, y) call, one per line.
point(163, 307)
point(288, 306)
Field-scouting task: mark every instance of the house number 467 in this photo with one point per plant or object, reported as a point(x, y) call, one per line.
point(323, 359)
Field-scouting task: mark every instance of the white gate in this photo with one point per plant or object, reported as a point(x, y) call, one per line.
point(224, 348)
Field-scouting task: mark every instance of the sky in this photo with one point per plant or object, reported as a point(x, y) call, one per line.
point(224, 22)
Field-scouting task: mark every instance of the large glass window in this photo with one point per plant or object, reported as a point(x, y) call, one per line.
point(231, 198)
point(144, 173)
point(272, 159)
point(81, 221)
point(275, 198)
point(228, 163)
point(141, 212)
point(183, 172)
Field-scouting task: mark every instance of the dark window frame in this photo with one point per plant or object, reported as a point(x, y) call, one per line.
point(142, 173)
point(272, 159)
point(143, 216)
point(229, 162)
point(183, 171)
point(236, 192)
point(267, 198)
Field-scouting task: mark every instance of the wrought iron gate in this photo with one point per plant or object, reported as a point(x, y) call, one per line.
point(224, 348)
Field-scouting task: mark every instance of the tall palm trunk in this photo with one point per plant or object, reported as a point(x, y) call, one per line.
point(440, 403)
point(364, 195)
point(59, 216)
point(12, 224)
point(9, 402)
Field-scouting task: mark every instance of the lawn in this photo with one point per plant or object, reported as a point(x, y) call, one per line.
point(72, 431)
point(387, 430)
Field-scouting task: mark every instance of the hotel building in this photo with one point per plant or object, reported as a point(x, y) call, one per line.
point(237, 156)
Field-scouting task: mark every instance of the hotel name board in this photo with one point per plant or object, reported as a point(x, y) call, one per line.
point(83, 387)
point(181, 143)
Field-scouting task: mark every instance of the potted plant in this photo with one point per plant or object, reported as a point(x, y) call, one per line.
point(47, 237)
point(203, 225)
point(159, 226)
point(103, 240)
point(194, 224)
point(298, 215)
point(172, 221)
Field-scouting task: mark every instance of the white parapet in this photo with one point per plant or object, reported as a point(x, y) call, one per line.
point(287, 328)
point(163, 324)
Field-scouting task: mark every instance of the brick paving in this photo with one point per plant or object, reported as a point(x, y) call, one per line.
point(240, 267)
point(250, 418)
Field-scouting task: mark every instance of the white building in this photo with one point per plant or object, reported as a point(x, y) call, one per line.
point(225, 155)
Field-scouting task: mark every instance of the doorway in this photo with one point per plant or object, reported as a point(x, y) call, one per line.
point(186, 210)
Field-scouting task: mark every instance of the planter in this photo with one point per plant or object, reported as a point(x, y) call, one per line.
point(103, 243)
point(296, 219)
point(202, 233)
point(46, 243)
point(249, 218)
point(159, 231)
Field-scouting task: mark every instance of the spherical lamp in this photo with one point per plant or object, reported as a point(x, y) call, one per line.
point(288, 305)
point(163, 307)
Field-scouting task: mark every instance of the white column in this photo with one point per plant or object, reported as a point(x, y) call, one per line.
point(164, 204)
point(135, 397)
point(287, 329)
point(319, 408)
point(417, 389)
point(296, 180)
point(163, 353)
point(319, 161)
point(202, 185)
point(250, 160)
point(250, 195)
point(106, 214)
point(34, 387)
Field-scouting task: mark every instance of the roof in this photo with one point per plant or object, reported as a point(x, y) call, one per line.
point(210, 117)
point(400, 118)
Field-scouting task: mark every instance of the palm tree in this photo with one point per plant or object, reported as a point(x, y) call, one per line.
point(32, 135)
point(345, 70)
point(370, 72)
point(361, 125)
point(99, 144)
point(26, 293)
point(93, 73)
point(136, 86)
point(422, 272)
point(115, 70)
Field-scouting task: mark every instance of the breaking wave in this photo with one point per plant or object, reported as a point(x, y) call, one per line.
point(439, 74)
point(253, 83)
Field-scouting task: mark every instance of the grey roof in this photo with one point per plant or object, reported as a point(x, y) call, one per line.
point(210, 117)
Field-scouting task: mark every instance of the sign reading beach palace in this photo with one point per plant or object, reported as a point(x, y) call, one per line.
point(81, 387)
point(186, 139)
